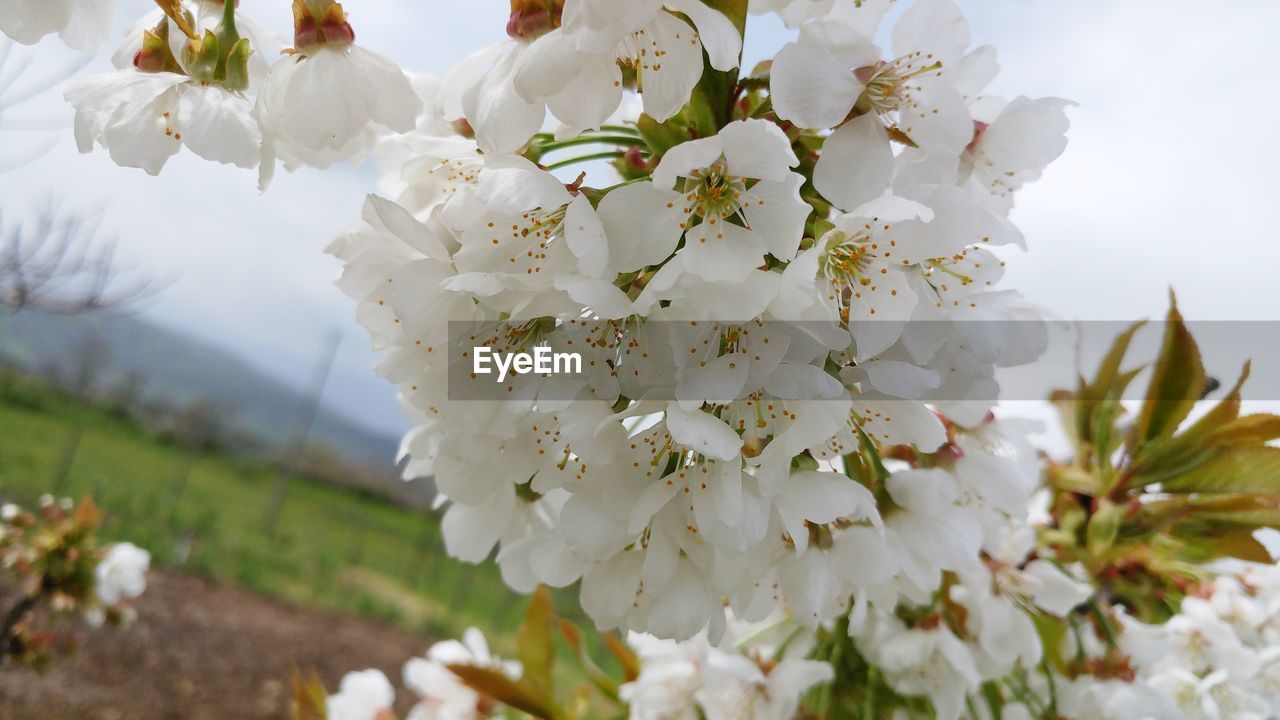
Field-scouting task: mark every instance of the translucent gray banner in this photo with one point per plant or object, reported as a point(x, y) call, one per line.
point(931, 361)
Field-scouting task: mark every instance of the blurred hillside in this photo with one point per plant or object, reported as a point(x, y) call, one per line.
point(133, 360)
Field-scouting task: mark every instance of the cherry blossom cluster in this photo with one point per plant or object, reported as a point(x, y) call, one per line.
point(801, 468)
point(55, 572)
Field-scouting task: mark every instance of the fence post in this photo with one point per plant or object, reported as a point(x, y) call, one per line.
point(68, 458)
point(306, 419)
point(178, 488)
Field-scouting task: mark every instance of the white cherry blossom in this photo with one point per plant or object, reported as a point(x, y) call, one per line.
point(82, 24)
point(576, 70)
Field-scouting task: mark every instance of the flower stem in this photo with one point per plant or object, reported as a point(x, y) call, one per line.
point(589, 140)
point(586, 158)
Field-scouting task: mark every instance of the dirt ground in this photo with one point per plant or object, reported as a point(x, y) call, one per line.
point(202, 651)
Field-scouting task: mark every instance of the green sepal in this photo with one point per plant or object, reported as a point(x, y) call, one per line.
point(202, 58)
point(237, 68)
point(1103, 528)
point(156, 55)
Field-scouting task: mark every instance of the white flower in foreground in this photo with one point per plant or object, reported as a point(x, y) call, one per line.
point(733, 197)
point(834, 77)
point(329, 102)
point(928, 661)
point(122, 574)
point(443, 695)
point(82, 24)
point(364, 695)
point(1015, 148)
point(145, 112)
point(143, 119)
point(577, 70)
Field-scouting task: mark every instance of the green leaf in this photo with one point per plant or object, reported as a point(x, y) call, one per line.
point(1192, 446)
point(627, 659)
point(1239, 544)
point(1109, 368)
point(307, 697)
point(602, 682)
point(1107, 384)
point(1233, 470)
point(1103, 528)
point(1176, 384)
point(494, 684)
point(1248, 430)
point(661, 137)
point(536, 651)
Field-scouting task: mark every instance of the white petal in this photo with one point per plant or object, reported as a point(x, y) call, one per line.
point(776, 215)
point(928, 492)
point(938, 117)
point(719, 36)
point(651, 501)
point(503, 120)
point(821, 498)
point(600, 296)
point(29, 20)
point(471, 531)
point(879, 310)
point(609, 588)
point(974, 72)
point(90, 24)
point(811, 88)
point(219, 126)
point(900, 379)
point(547, 66)
point(856, 164)
point(671, 68)
point(1057, 593)
point(703, 433)
point(681, 160)
point(592, 97)
point(722, 253)
point(642, 224)
point(932, 26)
point(136, 136)
point(901, 422)
point(682, 608)
point(465, 76)
point(757, 149)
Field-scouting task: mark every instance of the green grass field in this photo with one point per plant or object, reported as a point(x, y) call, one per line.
point(334, 548)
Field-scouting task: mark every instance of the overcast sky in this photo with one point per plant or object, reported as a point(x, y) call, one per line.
point(1171, 178)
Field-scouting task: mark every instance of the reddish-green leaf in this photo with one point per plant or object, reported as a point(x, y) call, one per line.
point(627, 659)
point(536, 651)
point(1234, 470)
point(494, 684)
point(1176, 384)
point(1248, 430)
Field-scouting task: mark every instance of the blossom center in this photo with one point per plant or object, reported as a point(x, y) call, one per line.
point(714, 194)
point(887, 86)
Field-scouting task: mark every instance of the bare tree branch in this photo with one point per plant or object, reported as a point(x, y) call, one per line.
point(61, 264)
